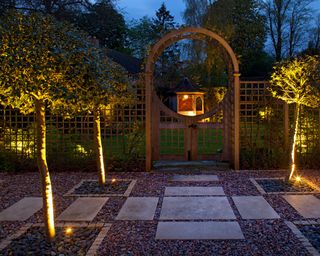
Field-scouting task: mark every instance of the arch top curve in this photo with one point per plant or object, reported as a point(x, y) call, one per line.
point(153, 105)
point(188, 33)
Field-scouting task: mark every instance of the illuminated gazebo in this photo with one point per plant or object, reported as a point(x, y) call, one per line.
point(189, 98)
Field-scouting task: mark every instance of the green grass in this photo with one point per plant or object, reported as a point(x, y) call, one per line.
point(172, 141)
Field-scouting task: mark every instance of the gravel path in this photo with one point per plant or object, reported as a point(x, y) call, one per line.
point(262, 237)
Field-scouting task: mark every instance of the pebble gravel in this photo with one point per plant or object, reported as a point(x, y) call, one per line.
point(262, 237)
point(33, 242)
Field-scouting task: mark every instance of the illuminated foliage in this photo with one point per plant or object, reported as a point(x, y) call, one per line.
point(105, 83)
point(297, 81)
point(43, 64)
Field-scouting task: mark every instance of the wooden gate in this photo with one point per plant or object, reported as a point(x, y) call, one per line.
point(188, 133)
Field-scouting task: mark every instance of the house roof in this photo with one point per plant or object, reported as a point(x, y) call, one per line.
point(131, 64)
point(186, 86)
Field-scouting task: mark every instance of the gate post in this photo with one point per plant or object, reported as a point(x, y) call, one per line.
point(155, 136)
point(148, 121)
point(236, 103)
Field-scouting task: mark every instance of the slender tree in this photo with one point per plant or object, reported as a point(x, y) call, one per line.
point(287, 22)
point(297, 81)
point(42, 63)
point(193, 16)
point(314, 41)
point(195, 10)
point(105, 84)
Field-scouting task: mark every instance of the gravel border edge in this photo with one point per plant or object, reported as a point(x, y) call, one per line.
point(93, 248)
point(125, 194)
point(305, 242)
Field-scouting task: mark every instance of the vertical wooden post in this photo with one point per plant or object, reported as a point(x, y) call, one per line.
point(194, 143)
point(148, 121)
point(187, 139)
point(155, 138)
point(286, 126)
point(226, 131)
point(236, 120)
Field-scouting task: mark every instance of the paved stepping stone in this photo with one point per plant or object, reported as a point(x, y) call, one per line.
point(307, 205)
point(83, 209)
point(138, 208)
point(196, 208)
point(22, 210)
point(254, 207)
point(194, 191)
point(195, 178)
point(199, 230)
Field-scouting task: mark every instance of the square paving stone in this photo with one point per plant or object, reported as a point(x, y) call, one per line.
point(306, 205)
point(254, 207)
point(195, 178)
point(199, 230)
point(83, 209)
point(196, 208)
point(194, 191)
point(22, 210)
point(138, 208)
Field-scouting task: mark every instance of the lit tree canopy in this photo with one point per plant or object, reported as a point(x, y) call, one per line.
point(40, 59)
point(105, 83)
point(297, 81)
point(45, 63)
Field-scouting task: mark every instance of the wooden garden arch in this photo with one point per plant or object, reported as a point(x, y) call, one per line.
point(152, 100)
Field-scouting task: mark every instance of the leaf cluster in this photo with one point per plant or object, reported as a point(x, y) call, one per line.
point(43, 59)
point(297, 81)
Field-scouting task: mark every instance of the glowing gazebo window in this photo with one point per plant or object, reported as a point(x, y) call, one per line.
point(190, 99)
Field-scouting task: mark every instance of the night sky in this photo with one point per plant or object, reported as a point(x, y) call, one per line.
point(135, 9)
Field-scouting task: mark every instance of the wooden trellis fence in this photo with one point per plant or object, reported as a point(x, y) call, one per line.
point(265, 125)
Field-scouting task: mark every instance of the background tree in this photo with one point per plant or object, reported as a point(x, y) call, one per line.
point(56, 8)
point(42, 62)
point(99, 19)
point(195, 11)
point(167, 65)
point(104, 22)
point(314, 41)
point(140, 37)
point(297, 81)
point(193, 16)
point(287, 22)
point(242, 25)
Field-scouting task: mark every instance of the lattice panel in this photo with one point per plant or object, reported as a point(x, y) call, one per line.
point(171, 136)
point(263, 130)
point(122, 129)
point(210, 140)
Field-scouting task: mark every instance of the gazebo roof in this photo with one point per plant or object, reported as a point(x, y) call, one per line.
point(186, 86)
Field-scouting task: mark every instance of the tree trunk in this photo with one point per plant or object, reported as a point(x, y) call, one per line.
point(44, 172)
point(98, 147)
point(293, 151)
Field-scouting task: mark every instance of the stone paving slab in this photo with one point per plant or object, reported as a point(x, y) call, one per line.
point(22, 210)
point(83, 209)
point(199, 230)
point(306, 205)
point(138, 208)
point(195, 178)
point(196, 208)
point(254, 207)
point(194, 191)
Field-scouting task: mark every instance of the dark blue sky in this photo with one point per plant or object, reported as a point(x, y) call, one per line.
point(135, 9)
point(139, 8)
